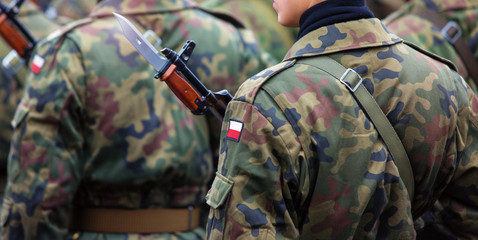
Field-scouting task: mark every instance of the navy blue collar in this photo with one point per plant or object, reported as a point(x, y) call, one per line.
point(331, 12)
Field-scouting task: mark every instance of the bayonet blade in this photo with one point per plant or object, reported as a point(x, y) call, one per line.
point(141, 43)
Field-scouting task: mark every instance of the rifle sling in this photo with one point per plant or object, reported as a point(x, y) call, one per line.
point(353, 81)
point(453, 34)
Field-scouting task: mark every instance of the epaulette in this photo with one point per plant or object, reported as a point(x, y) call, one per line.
point(449, 63)
point(247, 91)
point(67, 28)
point(45, 47)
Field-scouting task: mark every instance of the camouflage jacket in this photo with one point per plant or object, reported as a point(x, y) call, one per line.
point(13, 73)
point(94, 128)
point(300, 159)
point(70, 9)
point(261, 18)
point(422, 33)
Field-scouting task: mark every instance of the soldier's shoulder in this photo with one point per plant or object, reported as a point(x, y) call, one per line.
point(47, 49)
point(53, 42)
point(62, 31)
point(248, 90)
point(435, 57)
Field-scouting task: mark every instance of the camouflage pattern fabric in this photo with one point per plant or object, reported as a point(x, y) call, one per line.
point(12, 81)
point(35, 20)
point(65, 11)
point(299, 158)
point(382, 8)
point(95, 129)
point(422, 33)
point(72, 9)
point(13, 74)
point(260, 17)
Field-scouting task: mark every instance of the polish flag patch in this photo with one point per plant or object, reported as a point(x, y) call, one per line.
point(235, 130)
point(37, 64)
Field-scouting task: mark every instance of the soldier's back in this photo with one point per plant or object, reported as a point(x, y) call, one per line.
point(299, 124)
point(114, 136)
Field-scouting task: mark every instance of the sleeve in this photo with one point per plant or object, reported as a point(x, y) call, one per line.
point(44, 168)
point(251, 196)
point(455, 214)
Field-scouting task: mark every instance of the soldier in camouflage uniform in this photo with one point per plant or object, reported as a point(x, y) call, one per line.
point(261, 18)
point(301, 159)
point(97, 137)
point(424, 34)
point(12, 76)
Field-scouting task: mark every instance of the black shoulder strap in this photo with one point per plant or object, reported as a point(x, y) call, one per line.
point(353, 81)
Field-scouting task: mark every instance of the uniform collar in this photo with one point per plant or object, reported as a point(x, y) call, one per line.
point(363, 33)
point(331, 12)
point(127, 7)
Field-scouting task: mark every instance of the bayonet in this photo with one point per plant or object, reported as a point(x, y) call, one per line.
point(142, 44)
point(171, 68)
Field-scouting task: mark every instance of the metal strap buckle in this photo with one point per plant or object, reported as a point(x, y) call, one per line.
point(8, 62)
point(352, 81)
point(451, 31)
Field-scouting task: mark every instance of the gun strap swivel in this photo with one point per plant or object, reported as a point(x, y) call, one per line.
point(453, 34)
point(353, 81)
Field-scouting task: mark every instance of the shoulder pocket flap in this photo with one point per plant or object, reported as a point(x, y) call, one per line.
point(6, 211)
point(20, 114)
point(219, 191)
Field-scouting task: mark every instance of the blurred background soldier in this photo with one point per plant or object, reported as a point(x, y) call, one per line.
point(101, 149)
point(449, 29)
point(13, 74)
point(260, 17)
point(31, 14)
point(446, 28)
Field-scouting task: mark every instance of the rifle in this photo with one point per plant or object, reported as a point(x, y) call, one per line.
point(22, 42)
point(171, 68)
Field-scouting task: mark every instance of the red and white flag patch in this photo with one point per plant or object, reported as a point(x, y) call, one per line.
point(37, 64)
point(235, 130)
